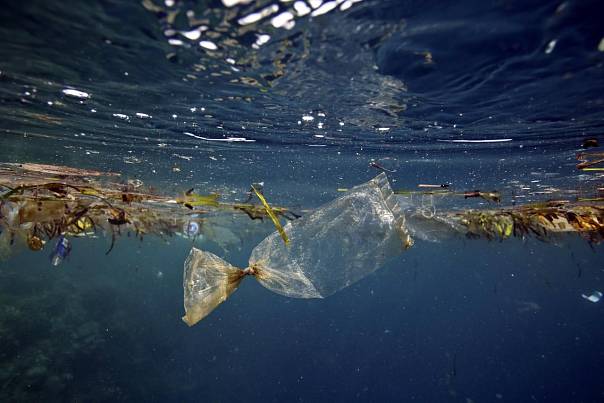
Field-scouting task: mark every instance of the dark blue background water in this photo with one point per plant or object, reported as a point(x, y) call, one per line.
point(454, 321)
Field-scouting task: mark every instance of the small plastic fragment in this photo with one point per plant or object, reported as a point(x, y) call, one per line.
point(61, 251)
point(191, 228)
point(593, 297)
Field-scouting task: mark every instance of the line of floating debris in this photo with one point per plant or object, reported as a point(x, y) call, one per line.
point(364, 227)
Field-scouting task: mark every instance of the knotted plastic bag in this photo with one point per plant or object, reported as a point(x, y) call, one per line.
point(208, 280)
point(333, 247)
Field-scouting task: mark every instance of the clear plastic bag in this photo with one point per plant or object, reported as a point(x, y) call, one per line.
point(207, 282)
point(329, 249)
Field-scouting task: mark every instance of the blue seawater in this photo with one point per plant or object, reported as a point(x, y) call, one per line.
point(307, 97)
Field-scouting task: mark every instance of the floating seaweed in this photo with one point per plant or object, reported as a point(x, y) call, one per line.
point(39, 203)
point(545, 222)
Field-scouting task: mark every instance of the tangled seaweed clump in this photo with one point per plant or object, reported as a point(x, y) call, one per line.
point(542, 222)
point(40, 203)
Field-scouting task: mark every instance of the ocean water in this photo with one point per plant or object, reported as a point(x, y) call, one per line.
point(307, 97)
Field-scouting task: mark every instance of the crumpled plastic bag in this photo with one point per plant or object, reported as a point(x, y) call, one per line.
point(333, 247)
point(208, 280)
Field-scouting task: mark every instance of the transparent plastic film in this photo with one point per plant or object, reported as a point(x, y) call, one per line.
point(207, 282)
point(336, 245)
point(329, 249)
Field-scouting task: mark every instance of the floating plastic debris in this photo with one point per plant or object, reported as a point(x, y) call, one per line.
point(191, 229)
point(61, 251)
point(593, 297)
point(364, 228)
